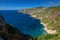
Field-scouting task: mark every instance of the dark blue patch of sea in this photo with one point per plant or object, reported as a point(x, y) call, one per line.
point(24, 22)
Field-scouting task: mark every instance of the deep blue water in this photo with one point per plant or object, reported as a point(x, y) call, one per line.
point(23, 22)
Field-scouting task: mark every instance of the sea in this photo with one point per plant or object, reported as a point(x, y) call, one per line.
point(24, 22)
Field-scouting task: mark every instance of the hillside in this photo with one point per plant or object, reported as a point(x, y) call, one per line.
point(50, 17)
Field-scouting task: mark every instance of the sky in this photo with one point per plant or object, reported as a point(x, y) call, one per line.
point(23, 4)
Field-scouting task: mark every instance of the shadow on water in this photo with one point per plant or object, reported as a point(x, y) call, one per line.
point(24, 22)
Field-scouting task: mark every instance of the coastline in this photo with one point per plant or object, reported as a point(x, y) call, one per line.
point(49, 31)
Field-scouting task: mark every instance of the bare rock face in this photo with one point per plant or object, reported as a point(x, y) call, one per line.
point(8, 32)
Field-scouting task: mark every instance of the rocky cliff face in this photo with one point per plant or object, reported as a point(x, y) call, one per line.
point(8, 32)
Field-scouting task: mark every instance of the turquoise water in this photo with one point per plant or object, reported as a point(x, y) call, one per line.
point(24, 22)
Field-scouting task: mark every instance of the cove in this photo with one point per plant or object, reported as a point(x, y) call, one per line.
point(23, 22)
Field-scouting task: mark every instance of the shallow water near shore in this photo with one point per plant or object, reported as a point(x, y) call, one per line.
point(24, 22)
